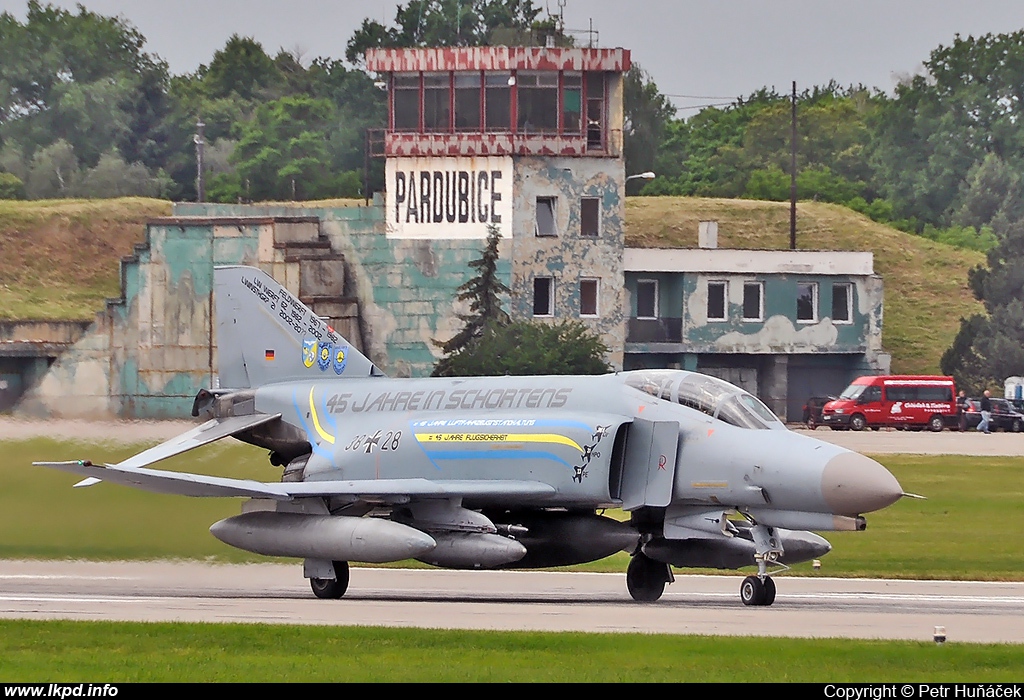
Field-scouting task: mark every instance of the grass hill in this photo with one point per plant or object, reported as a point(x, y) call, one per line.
point(59, 259)
point(926, 290)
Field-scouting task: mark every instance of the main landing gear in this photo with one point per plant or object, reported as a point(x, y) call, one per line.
point(757, 591)
point(331, 587)
point(646, 578)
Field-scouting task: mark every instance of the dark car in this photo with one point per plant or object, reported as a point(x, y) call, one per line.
point(1004, 416)
point(812, 410)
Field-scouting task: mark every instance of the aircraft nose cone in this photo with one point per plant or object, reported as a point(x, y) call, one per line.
point(852, 484)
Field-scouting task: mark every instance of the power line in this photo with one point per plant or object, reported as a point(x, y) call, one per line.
point(704, 97)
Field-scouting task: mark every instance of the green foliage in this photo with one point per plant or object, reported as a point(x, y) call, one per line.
point(530, 348)
point(442, 23)
point(647, 112)
point(11, 186)
point(483, 292)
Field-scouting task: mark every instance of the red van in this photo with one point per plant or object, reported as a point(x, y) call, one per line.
point(894, 400)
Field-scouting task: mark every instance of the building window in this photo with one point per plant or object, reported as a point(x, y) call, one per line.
point(572, 102)
point(842, 303)
point(807, 302)
point(498, 101)
point(406, 96)
point(647, 299)
point(716, 301)
point(590, 216)
point(537, 106)
point(589, 289)
point(436, 102)
point(753, 301)
point(546, 216)
point(467, 101)
point(543, 296)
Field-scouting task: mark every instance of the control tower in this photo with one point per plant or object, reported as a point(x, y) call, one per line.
point(529, 140)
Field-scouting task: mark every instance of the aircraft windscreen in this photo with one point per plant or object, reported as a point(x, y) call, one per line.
point(709, 395)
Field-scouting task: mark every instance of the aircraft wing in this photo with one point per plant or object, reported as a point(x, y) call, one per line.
point(186, 484)
point(210, 431)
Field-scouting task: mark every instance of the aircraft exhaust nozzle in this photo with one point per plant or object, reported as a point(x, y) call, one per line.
point(336, 538)
point(473, 550)
point(852, 484)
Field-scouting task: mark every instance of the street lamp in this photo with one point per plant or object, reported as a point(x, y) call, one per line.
point(649, 175)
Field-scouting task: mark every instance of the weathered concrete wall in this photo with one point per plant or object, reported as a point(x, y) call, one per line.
point(569, 256)
point(405, 288)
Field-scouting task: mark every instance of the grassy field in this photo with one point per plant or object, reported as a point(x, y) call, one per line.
point(59, 259)
point(963, 531)
point(101, 652)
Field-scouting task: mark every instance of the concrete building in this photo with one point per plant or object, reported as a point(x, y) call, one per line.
point(527, 140)
point(783, 325)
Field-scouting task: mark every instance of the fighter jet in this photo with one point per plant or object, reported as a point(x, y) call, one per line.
point(498, 472)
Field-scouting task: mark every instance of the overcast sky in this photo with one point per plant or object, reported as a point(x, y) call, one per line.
point(698, 52)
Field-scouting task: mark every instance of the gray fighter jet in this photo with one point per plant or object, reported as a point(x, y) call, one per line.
point(498, 472)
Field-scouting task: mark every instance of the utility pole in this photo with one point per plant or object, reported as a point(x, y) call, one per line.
point(792, 178)
point(200, 179)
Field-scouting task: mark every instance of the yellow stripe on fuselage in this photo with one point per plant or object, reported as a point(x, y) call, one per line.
point(498, 437)
point(316, 421)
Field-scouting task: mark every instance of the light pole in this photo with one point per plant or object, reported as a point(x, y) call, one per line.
point(200, 142)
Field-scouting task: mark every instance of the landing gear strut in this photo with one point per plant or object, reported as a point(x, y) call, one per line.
point(760, 589)
point(331, 588)
point(646, 578)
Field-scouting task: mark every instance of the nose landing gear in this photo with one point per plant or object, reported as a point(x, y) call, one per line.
point(760, 589)
point(757, 591)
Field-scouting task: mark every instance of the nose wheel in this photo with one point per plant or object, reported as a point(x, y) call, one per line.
point(757, 591)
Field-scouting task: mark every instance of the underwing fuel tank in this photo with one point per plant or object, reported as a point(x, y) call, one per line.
point(472, 550)
point(562, 538)
point(335, 538)
point(734, 552)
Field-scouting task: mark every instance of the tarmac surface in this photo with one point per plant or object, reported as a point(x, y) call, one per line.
point(272, 593)
point(510, 600)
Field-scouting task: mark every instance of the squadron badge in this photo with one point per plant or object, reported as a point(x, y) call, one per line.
point(323, 359)
point(340, 358)
point(308, 352)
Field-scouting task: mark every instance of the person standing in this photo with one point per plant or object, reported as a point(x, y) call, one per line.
point(961, 410)
point(986, 412)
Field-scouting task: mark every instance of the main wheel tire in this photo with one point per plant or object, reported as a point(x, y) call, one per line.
point(935, 424)
point(752, 591)
point(331, 588)
point(857, 422)
point(646, 578)
point(769, 591)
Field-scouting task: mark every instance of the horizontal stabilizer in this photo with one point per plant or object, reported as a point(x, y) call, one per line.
point(185, 484)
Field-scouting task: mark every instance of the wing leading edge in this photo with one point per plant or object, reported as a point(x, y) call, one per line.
point(186, 484)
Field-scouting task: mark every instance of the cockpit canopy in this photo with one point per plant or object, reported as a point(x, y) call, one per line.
point(715, 397)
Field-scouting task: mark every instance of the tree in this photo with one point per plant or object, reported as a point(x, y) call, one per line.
point(483, 291)
point(530, 348)
point(442, 23)
point(647, 112)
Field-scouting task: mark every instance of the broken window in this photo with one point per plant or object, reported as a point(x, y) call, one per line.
point(543, 296)
point(753, 303)
point(546, 216)
point(716, 301)
point(842, 303)
point(647, 299)
point(807, 302)
point(589, 289)
point(590, 210)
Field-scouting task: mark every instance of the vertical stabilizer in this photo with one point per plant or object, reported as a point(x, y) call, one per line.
point(266, 335)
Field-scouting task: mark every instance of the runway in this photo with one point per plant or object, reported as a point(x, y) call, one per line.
point(553, 601)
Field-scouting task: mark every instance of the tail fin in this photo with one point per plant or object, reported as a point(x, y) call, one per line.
point(266, 335)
